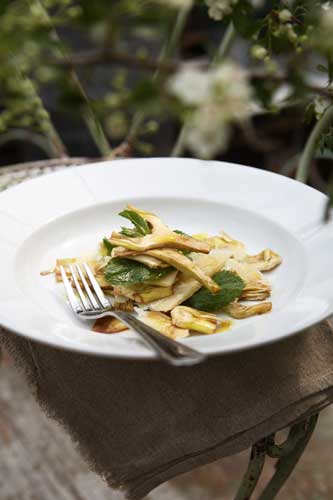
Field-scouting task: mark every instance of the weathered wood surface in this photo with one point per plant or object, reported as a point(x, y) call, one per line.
point(38, 461)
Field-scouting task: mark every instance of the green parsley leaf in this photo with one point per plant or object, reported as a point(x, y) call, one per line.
point(141, 226)
point(232, 287)
point(108, 246)
point(127, 272)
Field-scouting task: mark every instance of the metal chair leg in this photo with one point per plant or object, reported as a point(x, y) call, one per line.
point(288, 455)
point(255, 467)
point(288, 462)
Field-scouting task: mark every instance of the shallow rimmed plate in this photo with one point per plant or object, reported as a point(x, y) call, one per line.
point(65, 214)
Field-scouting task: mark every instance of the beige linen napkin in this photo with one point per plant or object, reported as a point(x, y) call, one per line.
point(141, 423)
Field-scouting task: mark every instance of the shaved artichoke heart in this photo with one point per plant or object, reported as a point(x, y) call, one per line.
point(248, 272)
point(185, 265)
point(231, 247)
point(192, 319)
point(108, 324)
point(169, 240)
point(185, 287)
point(178, 261)
point(267, 260)
point(163, 324)
point(123, 304)
point(239, 311)
point(149, 261)
point(144, 296)
point(161, 236)
point(167, 280)
point(256, 291)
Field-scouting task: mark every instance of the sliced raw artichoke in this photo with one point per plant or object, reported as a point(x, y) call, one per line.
point(256, 291)
point(145, 294)
point(248, 272)
point(179, 261)
point(231, 247)
point(163, 324)
point(265, 260)
point(108, 324)
point(185, 265)
point(123, 304)
point(149, 261)
point(239, 311)
point(186, 286)
point(161, 237)
point(192, 319)
point(167, 280)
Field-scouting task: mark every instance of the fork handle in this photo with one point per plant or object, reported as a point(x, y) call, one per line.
point(166, 348)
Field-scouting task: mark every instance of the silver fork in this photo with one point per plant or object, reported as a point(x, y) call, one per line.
point(91, 303)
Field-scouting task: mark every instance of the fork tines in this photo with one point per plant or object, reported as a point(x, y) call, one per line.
point(89, 297)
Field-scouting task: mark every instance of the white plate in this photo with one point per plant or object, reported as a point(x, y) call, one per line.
point(65, 214)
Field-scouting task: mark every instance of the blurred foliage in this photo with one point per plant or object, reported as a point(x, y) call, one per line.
point(288, 41)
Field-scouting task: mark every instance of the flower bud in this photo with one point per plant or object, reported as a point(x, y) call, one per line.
point(285, 15)
point(259, 52)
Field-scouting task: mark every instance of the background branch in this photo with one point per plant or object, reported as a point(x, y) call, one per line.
point(106, 55)
point(312, 144)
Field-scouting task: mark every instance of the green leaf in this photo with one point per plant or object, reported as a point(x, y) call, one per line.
point(127, 272)
point(184, 252)
point(141, 226)
point(130, 232)
point(108, 246)
point(232, 287)
point(181, 232)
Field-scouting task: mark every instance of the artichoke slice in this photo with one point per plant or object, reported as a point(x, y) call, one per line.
point(186, 286)
point(187, 266)
point(231, 247)
point(256, 291)
point(177, 260)
point(192, 319)
point(239, 311)
point(163, 324)
point(248, 272)
point(267, 260)
point(145, 259)
point(108, 324)
point(160, 237)
point(167, 280)
point(145, 295)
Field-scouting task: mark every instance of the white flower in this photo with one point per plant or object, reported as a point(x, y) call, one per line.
point(190, 85)
point(206, 134)
point(218, 9)
point(231, 91)
point(176, 4)
point(285, 15)
point(216, 98)
point(259, 52)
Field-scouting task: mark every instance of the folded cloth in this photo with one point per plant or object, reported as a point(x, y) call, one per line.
point(141, 423)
